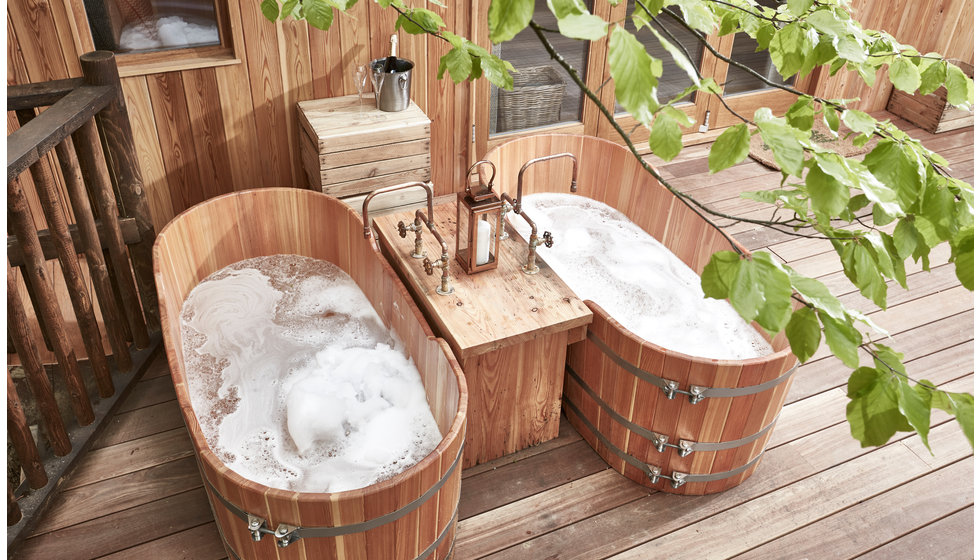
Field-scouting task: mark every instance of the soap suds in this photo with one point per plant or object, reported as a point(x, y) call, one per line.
point(167, 32)
point(604, 257)
point(296, 382)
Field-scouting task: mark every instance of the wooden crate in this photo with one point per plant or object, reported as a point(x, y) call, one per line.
point(348, 151)
point(930, 112)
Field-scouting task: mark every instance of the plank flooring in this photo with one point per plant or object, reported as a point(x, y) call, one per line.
point(816, 494)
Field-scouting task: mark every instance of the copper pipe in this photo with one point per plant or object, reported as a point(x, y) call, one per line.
point(444, 287)
point(367, 200)
point(520, 175)
point(530, 266)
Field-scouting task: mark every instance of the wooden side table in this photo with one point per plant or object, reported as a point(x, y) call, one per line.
point(508, 330)
point(349, 149)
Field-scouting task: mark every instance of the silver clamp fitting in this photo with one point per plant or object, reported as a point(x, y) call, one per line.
point(696, 393)
point(256, 526)
point(286, 535)
point(659, 442)
point(670, 388)
point(677, 479)
point(685, 448)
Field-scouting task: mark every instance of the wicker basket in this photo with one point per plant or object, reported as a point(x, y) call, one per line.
point(534, 101)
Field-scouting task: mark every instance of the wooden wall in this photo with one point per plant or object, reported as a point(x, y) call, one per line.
point(943, 26)
point(213, 130)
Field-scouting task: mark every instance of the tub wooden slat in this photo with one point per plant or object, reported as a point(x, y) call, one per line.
point(247, 224)
point(610, 174)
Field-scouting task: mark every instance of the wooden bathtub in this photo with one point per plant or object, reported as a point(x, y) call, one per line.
point(412, 515)
point(668, 420)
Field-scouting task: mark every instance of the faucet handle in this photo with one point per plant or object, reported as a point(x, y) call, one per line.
point(427, 265)
point(548, 239)
point(402, 230)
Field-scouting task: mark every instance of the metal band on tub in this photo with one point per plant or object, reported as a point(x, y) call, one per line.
point(653, 472)
point(695, 393)
point(286, 534)
point(660, 441)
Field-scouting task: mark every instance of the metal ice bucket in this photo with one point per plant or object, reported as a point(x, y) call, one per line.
point(391, 90)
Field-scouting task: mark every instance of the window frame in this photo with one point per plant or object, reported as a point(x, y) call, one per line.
point(170, 60)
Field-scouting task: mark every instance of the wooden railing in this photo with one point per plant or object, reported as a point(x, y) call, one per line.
point(84, 127)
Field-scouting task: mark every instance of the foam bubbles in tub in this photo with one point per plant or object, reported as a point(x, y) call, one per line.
point(604, 257)
point(296, 382)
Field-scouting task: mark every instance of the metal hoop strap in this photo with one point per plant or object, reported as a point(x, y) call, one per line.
point(695, 392)
point(684, 447)
point(286, 534)
point(653, 472)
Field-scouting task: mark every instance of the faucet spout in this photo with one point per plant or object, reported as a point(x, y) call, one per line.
point(372, 194)
point(573, 187)
point(533, 242)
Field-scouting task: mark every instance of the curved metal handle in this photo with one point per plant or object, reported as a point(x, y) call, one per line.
point(402, 230)
point(489, 185)
point(548, 239)
point(427, 265)
point(367, 200)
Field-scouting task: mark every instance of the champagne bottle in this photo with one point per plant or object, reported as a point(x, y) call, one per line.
point(390, 62)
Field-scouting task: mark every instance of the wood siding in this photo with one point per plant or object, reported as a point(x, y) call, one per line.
point(208, 131)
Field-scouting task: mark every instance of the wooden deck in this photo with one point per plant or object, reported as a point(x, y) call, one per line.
point(817, 494)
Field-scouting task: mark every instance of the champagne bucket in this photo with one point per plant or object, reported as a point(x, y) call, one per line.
point(391, 90)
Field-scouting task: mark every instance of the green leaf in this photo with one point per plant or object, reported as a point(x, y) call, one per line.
point(459, 63)
point(851, 49)
point(494, 68)
point(827, 195)
point(640, 15)
point(730, 148)
point(422, 21)
point(803, 332)
point(633, 73)
point(906, 238)
point(787, 49)
point(745, 296)
point(318, 13)
point(729, 22)
point(777, 292)
point(779, 136)
point(680, 59)
point(859, 121)
point(818, 295)
point(842, 338)
point(904, 74)
point(508, 18)
point(289, 8)
point(832, 119)
point(697, 14)
point(962, 257)
point(583, 26)
point(665, 137)
point(719, 273)
point(799, 7)
point(873, 412)
point(800, 114)
point(895, 168)
point(270, 9)
point(963, 410)
point(932, 77)
point(827, 22)
point(959, 88)
point(861, 269)
point(914, 406)
point(565, 8)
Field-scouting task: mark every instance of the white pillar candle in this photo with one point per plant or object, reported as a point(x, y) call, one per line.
point(482, 242)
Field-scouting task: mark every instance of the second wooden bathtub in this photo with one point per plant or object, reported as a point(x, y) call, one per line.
point(675, 422)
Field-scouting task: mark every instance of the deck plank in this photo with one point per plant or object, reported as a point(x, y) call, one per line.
point(198, 543)
point(950, 538)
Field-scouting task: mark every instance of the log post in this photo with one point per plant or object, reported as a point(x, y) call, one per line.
point(92, 161)
point(37, 378)
point(93, 253)
point(20, 435)
point(99, 68)
point(35, 269)
point(81, 301)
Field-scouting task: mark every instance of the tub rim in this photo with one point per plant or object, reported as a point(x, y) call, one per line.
point(178, 376)
point(598, 310)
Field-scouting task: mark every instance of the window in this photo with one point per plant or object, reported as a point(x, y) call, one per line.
point(161, 35)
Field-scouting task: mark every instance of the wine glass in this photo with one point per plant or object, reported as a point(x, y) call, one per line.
point(360, 75)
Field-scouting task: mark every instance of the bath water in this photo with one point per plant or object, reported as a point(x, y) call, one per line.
point(604, 257)
point(296, 382)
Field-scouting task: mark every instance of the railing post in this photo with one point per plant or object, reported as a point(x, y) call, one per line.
point(99, 68)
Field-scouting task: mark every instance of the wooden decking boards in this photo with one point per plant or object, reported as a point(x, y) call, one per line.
point(816, 494)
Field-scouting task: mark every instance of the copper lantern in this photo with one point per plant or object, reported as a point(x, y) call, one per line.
point(479, 222)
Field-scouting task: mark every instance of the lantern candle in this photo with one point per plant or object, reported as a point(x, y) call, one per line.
point(482, 242)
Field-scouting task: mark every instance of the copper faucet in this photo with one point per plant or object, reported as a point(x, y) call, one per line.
point(416, 226)
point(520, 175)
